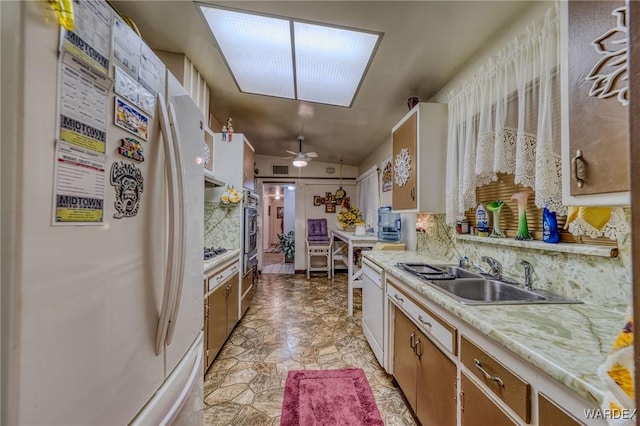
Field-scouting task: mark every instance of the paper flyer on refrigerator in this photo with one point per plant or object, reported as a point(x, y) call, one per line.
point(79, 185)
point(91, 38)
point(83, 104)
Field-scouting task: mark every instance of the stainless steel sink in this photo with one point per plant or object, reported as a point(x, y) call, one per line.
point(473, 291)
point(472, 288)
point(482, 290)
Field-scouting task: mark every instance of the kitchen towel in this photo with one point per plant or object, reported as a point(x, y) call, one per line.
point(617, 373)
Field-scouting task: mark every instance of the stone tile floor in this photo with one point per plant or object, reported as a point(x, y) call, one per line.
point(292, 324)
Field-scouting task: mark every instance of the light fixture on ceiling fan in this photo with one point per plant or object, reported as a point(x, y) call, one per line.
point(300, 159)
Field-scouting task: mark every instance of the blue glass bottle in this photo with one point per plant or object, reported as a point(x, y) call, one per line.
point(549, 227)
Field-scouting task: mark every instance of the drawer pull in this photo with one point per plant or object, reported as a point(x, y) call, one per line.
point(412, 340)
point(574, 168)
point(398, 298)
point(486, 374)
point(428, 324)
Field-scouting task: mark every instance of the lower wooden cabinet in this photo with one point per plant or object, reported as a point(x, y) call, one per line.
point(247, 291)
point(217, 322)
point(426, 375)
point(478, 409)
point(221, 316)
point(549, 414)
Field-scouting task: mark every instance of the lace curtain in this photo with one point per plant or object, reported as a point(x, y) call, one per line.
point(506, 119)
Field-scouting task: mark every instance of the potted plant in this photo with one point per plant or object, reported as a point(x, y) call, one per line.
point(287, 244)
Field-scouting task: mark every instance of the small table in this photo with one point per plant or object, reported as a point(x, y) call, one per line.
point(354, 241)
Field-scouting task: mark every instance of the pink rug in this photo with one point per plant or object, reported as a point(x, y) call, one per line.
point(329, 397)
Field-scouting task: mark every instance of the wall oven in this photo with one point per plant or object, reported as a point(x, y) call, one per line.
point(250, 233)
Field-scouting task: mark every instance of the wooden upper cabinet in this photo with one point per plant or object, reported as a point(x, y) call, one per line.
point(419, 159)
point(404, 158)
point(248, 163)
point(595, 118)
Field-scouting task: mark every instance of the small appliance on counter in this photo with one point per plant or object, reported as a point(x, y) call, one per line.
point(389, 225)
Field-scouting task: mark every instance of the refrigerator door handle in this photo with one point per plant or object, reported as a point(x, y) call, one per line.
point(182, 229)
point(170, 268)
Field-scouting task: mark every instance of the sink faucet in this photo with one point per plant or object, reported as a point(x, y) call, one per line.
point(528, 272)
point(494, 265)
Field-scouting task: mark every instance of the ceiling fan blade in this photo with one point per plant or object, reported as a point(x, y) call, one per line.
point(311, 155)
point(286, 158)
point(292, 153)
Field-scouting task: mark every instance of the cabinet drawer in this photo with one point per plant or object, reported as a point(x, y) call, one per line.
point(511, 389)
point(432, 325)
point(550, 414)
point(372, 271)
point(222, 276)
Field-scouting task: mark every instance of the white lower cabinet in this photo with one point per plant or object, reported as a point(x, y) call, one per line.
point(451, 373)
point(372, 307)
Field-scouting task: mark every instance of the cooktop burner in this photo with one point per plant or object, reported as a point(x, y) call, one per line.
point(210, 252)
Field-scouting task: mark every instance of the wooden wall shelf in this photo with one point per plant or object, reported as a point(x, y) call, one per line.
point(575, 248)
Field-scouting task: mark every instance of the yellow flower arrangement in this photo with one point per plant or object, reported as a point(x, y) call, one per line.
point(349, 215)
point(231, 196)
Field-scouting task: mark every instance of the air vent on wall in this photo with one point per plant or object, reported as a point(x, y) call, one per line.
point(280, 170)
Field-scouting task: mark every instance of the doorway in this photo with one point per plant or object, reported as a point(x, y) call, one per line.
point(278, 219)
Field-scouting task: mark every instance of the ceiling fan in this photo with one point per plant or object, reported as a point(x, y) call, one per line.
point(300, 159)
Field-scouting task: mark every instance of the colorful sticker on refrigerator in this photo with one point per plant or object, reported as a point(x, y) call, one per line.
point(127, 180)
point(132, 91)
point(83, 104)
point(131, 148)
point(131, 119)
point(79, 185)
point(91, 38)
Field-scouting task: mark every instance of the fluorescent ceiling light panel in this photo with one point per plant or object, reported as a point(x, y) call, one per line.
point(329, 62)
point(257, 49)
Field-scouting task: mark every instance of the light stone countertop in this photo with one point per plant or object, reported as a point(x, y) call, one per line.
point(220, 259)
point(568, 342)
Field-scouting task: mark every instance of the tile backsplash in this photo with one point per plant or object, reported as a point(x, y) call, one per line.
point(222, 225)
point(596, 280)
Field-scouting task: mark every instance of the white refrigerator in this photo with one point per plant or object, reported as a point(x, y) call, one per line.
point(101, 324)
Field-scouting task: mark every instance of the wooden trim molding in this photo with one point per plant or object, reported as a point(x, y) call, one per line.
point(634, 144)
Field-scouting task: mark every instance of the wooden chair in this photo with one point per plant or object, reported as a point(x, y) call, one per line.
point(319, 247)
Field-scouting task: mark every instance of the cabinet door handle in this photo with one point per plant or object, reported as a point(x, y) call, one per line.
point(413, 193)
point(398, 298)
point(412, 340)
point(428, 324)
point(418, 348)
point(574, 168)
point(486, 374)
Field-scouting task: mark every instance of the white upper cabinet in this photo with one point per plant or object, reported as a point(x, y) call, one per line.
point(595, 112)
